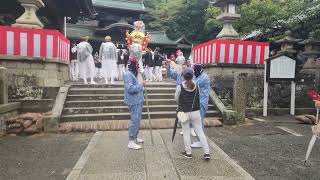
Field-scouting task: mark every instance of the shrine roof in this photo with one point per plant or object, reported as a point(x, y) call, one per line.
point(132, 5)
point(160, 38)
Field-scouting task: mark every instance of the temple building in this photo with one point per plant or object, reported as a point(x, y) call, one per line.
point(114, 18)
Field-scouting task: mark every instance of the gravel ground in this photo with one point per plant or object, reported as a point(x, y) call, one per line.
point(267, 152)
point(40, 157)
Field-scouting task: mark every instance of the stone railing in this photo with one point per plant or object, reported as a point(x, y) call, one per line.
point(34, 44)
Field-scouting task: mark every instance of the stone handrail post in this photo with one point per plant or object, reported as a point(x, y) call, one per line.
point(3, 86)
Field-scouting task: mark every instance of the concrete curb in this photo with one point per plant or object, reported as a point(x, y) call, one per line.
point(75, 172)
point(238, 168)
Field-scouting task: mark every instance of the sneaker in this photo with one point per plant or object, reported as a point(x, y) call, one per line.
point(181, 133)
point(188, 156)
point(193, 133)
point(140, 140)
point(133, 145)
point(196, 145)
point(207, 157)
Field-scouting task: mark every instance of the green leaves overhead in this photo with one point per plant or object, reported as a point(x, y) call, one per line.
point(196, 19)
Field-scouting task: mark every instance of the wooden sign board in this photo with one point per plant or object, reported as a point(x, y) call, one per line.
point(281, 68)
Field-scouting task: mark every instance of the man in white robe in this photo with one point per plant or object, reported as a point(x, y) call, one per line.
point(86, 61)
point(108, 56)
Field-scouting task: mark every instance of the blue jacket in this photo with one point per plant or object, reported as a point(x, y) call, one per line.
point(133, 91)
point(175, 75)
point(204, 84)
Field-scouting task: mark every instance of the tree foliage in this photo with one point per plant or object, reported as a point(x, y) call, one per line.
point(196, 19)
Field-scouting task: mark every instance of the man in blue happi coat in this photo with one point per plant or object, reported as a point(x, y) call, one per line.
point(202, 80)
point(133, 97)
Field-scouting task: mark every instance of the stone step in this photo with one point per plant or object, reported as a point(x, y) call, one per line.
point(118, 109)
point(99, 103)
point(114, 125)
point(73, 91)
point(123, 116)
point(151, 85)
point(82, 97)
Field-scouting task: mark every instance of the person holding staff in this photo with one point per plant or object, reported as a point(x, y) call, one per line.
point(133, 97)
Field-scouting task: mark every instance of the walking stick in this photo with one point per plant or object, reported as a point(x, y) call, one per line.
point(148, 109)
point(312, 141)
point(149, 118)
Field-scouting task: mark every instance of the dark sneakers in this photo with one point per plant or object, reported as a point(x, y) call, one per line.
point(207, 157)
point(188, 156)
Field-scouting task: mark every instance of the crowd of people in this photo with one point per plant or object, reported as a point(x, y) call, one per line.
point(110, 63)
point(192, 86)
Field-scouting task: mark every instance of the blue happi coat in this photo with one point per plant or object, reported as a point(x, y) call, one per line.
point(204, 85)
point(173, 74)
point(133, 91)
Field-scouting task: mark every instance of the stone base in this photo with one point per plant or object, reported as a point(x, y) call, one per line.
point(27, 79)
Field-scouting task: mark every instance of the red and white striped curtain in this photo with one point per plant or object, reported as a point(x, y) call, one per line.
point(231, 52)
point(34, 43)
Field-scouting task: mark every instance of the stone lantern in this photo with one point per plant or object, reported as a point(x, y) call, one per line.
point(228, 16)
point(312, 51)
point(287, 43)
point(29, 18)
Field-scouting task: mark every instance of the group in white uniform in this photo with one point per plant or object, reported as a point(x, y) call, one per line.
point(113, 65)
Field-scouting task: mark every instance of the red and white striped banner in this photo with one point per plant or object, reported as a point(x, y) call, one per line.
point(231, 52)
point(34, 43)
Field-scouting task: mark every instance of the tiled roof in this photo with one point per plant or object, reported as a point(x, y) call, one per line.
point(133, 5)
point(160, 38)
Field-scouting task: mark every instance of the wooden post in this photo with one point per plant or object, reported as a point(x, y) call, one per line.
point(265, 92)
point(293, 98)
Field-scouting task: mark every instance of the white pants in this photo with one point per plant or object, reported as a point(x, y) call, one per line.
point(150, 74)
point(87, 69)
point(74, 70)
point(98, 73)
point(121, 71)
point(195, 120)
point(158, 73)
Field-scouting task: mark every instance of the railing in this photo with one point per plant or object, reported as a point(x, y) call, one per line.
point(231, 52)
point(47, 45)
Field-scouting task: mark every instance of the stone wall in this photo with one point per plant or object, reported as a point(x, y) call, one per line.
point(7, 111)
point(34, 79)
point(222, 79)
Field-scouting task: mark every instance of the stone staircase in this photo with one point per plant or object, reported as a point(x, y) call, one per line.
point(93, 103)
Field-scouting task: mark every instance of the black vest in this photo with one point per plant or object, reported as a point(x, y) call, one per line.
point(186, 99)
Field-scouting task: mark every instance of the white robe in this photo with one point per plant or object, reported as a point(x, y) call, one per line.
point(86, 61)
point(108, 56)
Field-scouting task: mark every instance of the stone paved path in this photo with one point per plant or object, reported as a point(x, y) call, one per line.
point(107, 157)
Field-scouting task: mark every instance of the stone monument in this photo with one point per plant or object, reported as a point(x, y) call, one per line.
point(287, 43)
point(312, 51)
point(228, 16)
point(29, 18)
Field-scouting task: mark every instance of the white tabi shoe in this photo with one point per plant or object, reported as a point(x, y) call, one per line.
point(133, 145)
point(140, 140)
point(196, 145)
point(193, 133)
